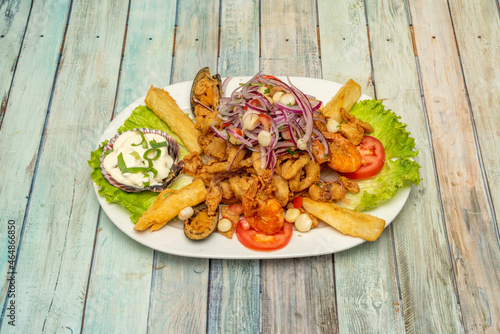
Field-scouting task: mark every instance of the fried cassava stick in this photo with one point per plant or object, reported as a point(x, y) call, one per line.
point(165, 107)
point(355, 224)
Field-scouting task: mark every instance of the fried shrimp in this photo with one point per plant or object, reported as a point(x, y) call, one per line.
point(282, 190)
point(344, 157)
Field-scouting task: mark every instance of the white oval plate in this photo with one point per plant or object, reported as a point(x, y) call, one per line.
point(171, 239)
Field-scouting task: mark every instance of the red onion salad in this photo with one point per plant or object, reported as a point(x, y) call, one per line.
point(290, 125)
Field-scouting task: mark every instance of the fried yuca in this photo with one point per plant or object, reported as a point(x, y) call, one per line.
point(169, 203)
point(165, 107)
point(355, 224)
point(345, 98)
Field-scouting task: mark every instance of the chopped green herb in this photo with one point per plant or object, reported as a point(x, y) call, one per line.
point(135, 154)
point(158, 145)
point(146, 154)
point(144, 142)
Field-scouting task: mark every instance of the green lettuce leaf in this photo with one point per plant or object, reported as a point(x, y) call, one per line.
point(135, 203)
point(400, 168)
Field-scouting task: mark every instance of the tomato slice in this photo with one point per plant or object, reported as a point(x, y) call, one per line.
point(255, 240)
point(297, 202)
point(267, 77)
point(372, 159)
point(266, 121)
point(236, 208)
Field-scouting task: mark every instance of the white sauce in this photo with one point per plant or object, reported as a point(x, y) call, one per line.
point(123, 144)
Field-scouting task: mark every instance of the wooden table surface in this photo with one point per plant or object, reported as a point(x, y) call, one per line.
point(68, 67)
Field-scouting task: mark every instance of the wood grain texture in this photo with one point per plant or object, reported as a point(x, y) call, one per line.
point(197, 39)
point(344, 43)
point(61, 223)
point(298, 295)
point(25, 117)
point(426, 286)
point(289, 39)
point(468, 217)
point(180, 284)
point(13, 22)
point(366, 282)
point(477, 29)
point(234, 296)
point(122, 268)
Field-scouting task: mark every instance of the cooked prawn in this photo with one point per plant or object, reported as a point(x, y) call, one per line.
point(344, 157)
point(269, 218)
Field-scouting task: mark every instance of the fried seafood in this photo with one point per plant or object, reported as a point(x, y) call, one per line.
point(311, 174)
point(292, 166)
point(344, 157)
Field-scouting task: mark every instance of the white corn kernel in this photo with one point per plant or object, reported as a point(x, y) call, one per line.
point(303, 223)
point(186, 213)
point(332, 125)
point(264, 138)
point(277, 96)
point(291, 215)
point(287, 99)
point(250, 120)
point(302, 144)
point(224, 225)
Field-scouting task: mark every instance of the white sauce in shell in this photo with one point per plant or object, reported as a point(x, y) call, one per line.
point(123, 144)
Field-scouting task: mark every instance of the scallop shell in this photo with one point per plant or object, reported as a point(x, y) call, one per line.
point(173, 151)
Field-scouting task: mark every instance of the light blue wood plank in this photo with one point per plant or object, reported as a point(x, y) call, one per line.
point(119, 289)
point(365, 274)
point(61, 224)
point(298, 295)
point(180, 285)
point(14, 18)
point(289, 39)
point(467, 210)
point(25, 115)
point(426, 286)
point(234, 304)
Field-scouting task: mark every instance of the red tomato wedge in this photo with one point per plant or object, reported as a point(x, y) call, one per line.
point(372, 159)
point(236, 208)
point(255, 240)
point(266, 121)
point(267, 77)
point(297, 202)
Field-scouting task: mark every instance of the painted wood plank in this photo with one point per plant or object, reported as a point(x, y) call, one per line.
point(365, 274)
point(426, 286)
point(344, 43)
point(234, 296)
point(122, 268)
point(478, 38)
point(25, 117)
point(298, 295)
point(468, 217)
point(61, 223)
point(180, 287)
point(289, 39)
point(14, 19)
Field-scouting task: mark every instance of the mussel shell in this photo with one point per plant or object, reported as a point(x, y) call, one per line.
point(173, 150)
point(202, 74)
